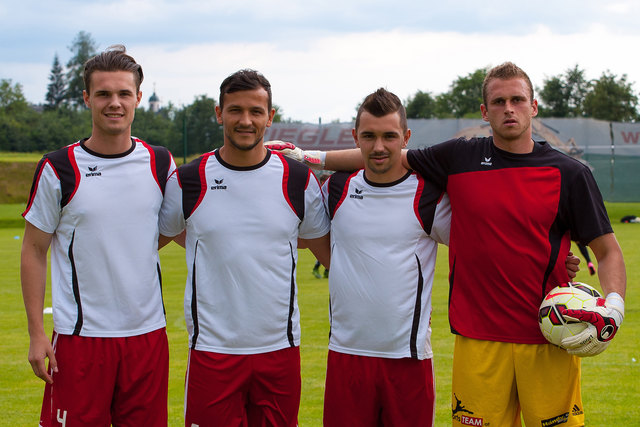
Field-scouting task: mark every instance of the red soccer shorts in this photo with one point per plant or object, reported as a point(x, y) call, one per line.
point(243, 389)
point(104, 381)
point(370, 391)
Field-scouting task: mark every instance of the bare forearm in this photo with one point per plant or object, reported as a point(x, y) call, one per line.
point(612, 274)
point(611, 268)
point(320, 248)
point(33, 273)
point(344, 160)
point(348, 160)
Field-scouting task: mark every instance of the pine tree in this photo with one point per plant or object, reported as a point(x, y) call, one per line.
point(83, 47)
point(56, 89)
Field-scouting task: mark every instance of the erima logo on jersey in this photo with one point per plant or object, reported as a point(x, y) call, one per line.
point(93, 171)
point(486, 162)
point(219, 185)
point(358, 195)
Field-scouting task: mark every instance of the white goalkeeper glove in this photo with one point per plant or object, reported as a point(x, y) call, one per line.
point(312, 158)
point(603, 321)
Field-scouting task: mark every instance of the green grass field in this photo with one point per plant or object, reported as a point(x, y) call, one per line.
point(611, 381)
point(15, 156)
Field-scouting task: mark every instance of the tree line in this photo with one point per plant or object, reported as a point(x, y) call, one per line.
point(568, 95)
point(192, 129)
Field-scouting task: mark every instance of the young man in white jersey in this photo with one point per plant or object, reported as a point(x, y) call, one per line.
point(244, 208)
point(505, 190)
point(386, 223)
point(96, 204)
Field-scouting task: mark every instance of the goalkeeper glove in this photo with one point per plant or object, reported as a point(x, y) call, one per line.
point(603, 321)
point(312, 158)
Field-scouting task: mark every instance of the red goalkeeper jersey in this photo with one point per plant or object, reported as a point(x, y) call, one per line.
point(513, 219)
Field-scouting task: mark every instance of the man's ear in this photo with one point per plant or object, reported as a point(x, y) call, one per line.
point(407, 135)
point(483, 110)
point(85, 97)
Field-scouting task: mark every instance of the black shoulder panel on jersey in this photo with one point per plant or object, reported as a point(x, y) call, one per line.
point(67, 172)
point(163, 161)
point(428, 197)
point(337, 184)
point(296, 182)
point(192, 181)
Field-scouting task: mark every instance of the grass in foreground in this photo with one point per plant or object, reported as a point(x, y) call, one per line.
point(610, 380)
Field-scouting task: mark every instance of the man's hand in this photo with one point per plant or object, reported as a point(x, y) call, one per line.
point(603, 320)
point(286, 148)
point(312, 158)
point(39, 349)
point(585, 344)
point(572, 264)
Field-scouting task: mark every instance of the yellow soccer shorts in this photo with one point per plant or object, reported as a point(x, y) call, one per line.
point(498, 384)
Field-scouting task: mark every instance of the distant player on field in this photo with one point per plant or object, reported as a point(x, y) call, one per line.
point(244, 208)
point(516, 205)
point(96, 204)
point(585, 253)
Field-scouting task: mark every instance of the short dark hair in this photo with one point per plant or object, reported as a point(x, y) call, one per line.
point(380, 103)
point(505, 71)
point(114, 58)
point(244, 80)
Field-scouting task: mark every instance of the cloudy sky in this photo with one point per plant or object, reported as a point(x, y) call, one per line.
point(322, 56)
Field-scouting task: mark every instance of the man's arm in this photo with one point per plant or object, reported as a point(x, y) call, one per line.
point(348, 160)
point(320, 247)
point(344, 160)
point(33, 275)
point(611, 269)
point(336, 160)
point(605, 318)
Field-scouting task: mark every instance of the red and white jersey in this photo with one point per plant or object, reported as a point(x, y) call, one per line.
point(241, 249)
point(513, 219)
point(384, 241)
point(103, 213)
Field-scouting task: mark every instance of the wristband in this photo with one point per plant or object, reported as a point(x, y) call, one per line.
point(315, 158)
point(615, 302)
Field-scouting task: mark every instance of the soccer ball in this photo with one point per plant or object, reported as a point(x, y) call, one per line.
point(572, 295)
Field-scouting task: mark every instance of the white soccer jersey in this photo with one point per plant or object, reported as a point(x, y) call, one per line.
point(384, 240)
point(241, 249)
point(103, 213)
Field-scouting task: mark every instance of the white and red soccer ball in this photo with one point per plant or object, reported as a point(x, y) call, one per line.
point(572, 295)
